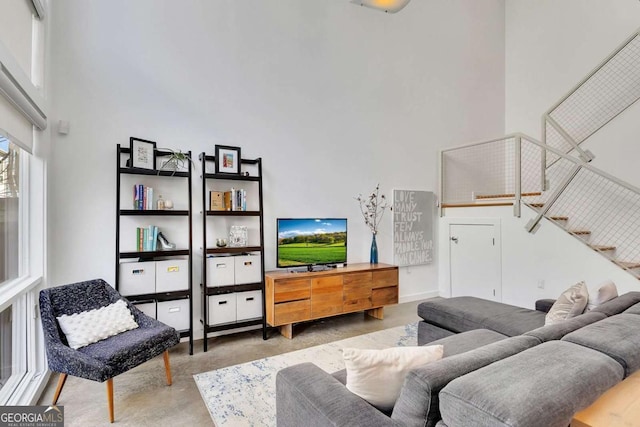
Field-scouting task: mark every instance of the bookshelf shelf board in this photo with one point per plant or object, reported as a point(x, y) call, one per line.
point(233, 213)
point(219, 290)
point(154, 212)
point(229, 250)
point(151, 254)
point(234, 325)
point(139, 171)
point(231, 177)
point(162, 296)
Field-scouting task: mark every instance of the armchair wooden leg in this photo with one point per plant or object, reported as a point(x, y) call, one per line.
point(110, 398)
point(61, 380)
point(167, 366)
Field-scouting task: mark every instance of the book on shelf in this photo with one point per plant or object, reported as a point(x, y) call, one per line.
point(147, 238)
point(235, 200)
point(142, 197)
point(216, 201)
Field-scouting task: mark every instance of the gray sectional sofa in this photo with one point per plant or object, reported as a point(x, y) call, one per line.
point(501, 367)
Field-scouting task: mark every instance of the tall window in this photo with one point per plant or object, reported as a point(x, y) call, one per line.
point(9, 210)
point(6, 359)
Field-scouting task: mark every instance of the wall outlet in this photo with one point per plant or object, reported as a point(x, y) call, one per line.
point(541, 284)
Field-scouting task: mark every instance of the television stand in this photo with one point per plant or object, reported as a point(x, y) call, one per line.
point(318, 294)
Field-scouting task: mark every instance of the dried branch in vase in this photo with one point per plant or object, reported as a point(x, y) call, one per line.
point(372, 208)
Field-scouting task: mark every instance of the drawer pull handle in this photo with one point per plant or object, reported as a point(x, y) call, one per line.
point(221, 265)
point(250, 299)
point(174, 309)
point(173, 269)
point(137, 271)
point(222, 302)
point(248, 263)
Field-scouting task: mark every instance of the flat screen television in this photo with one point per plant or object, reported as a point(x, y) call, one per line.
point(305, 242)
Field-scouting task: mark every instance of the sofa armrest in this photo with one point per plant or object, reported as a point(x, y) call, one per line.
point(65, 360)
point(544, 305)
point(306, 395)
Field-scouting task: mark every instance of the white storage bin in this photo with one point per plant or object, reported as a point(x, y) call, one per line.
point(222, 309)
point(137, 278)
point(174, 313)
point(148, 308)
point(220, 271)
point(172, 275)
point(248, 305)
point(248, 269)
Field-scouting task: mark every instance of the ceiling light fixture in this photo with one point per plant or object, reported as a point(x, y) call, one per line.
point(389, 6)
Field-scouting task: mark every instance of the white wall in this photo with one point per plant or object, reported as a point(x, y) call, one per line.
point(550, 46)
point(550, 255)
point(334, 97)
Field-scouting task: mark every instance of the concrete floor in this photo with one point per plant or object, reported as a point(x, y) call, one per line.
point(141, 396)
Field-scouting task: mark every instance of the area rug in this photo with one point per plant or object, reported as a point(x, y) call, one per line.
point(244, 395)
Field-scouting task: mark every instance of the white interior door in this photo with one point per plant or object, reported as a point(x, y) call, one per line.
point(475, 264)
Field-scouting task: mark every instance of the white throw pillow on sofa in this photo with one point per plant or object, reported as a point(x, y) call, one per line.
point(570, 303)
point(87, 327)
point(377, 375)
point(605, 291)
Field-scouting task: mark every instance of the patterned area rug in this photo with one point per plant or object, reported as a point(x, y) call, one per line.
point(244, 395)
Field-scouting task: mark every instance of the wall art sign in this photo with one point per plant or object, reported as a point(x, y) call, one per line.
point(413, 227)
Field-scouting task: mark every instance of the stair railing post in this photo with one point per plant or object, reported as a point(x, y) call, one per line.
point(543, 157)
point(532, 225)
point(442, 198)
point(585, 155)
point(518, 176)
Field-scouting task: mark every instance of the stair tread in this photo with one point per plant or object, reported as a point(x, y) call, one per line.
point(537, 205)
point(560, 218)
point(602, 248)
point(579, 232)
point(506, 195)
point(628, 264)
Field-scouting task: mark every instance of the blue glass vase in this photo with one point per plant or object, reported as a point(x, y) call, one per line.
point(373, 256)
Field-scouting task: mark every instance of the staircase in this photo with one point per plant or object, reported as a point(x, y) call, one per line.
point(554, 176)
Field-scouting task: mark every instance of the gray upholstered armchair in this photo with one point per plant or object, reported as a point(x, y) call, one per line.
point(103, 360)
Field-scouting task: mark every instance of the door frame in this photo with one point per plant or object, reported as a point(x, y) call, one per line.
point(445, 253)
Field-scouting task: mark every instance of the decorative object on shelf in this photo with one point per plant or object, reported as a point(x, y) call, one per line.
point(160, 203)
point(238, 236)
point(221, 243)
point(142, 153)
point(168, 204)
point(227, 160)
point(372, 208)
point(216, 201)
point(175, 161)
point(166, 245)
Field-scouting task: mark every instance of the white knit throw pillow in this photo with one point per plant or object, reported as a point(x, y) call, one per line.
point(570, 303)
point(88, 327)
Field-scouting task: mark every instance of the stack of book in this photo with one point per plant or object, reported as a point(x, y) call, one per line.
point(232, 200)
point(147, 238)
point(142, 197)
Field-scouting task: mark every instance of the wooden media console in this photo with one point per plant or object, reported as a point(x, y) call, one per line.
point(297, 297)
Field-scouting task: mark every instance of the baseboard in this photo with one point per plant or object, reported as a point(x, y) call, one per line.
point(418, 297)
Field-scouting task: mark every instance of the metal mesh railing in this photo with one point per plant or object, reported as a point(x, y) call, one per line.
point(483, 169)
point(610, 89)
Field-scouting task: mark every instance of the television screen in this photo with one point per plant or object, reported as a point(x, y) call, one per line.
point(311, 241)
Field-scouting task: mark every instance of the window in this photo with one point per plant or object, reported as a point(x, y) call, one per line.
point(9, 211)
point(6, 361)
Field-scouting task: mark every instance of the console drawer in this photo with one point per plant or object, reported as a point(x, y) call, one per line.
point(292, 290)
point(291, 312)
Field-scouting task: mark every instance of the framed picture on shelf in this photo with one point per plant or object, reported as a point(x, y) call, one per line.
point(238, 236)
point(143, 153)
point(227, 160)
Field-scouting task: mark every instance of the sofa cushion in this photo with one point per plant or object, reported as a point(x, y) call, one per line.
point(466, 341)
point(616, 336)
point(516, 391)
point(559, 330)
point(418, 403)
point(461, 314)
point(428, 333)
point(377, 375)
point(618, 305)
point(570, 303)
point(634, 309)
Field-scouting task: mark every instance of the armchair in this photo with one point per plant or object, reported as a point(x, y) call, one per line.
point(103, 360)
